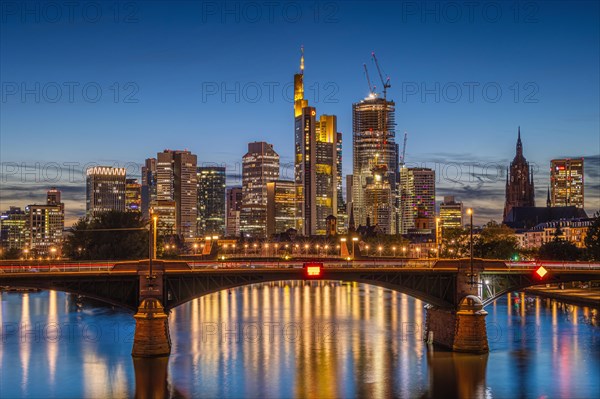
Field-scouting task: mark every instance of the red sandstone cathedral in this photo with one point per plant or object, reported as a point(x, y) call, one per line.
point(519, 182)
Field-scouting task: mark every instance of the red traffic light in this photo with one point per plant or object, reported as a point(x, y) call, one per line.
point(313, 269)
point(541, 271)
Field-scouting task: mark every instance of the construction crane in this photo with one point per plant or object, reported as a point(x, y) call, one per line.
point(371, 88)
point(386, 83)
point(403, 150)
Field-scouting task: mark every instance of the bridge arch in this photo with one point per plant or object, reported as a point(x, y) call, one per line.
point(434, 290)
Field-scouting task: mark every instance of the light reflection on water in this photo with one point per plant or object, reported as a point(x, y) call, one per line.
point(290, 339)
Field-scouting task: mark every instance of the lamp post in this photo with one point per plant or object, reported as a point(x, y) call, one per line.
point(344, 239)
point(470, 213)
point(437, 236)
point(394, 249)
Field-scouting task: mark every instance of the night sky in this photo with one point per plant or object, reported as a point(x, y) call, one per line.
point(113, 83)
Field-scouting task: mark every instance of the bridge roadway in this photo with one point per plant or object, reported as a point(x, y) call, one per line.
point(455, 297)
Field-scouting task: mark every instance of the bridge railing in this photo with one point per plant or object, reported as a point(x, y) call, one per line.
point(557, 265)
point(57, 267)
point(327, 263)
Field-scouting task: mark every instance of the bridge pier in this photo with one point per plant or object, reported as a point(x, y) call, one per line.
point(461, 329)
point(151, 338)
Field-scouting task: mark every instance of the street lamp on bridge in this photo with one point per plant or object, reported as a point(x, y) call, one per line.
point(470, 213)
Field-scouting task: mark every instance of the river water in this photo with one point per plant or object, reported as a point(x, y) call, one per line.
point(295, 339)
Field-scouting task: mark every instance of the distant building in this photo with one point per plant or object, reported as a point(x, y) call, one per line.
point(13, 229)
point(566, 182)
point(45, 227)
point(417, 199)
point(234, 207)
point(172, 177)
point(315, 162)
point(148, 185)
point(451, 213)
point(282, 206)
point(133, 195)
point(520, 191)
point(260, 165)
point(342, 209)
point(211, 201)
point(527, 217)
point(375, 155)
point(105, 190)
point(166, 213)
point(574, 231)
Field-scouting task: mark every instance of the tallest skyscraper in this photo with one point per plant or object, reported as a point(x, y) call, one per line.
point(315, 162)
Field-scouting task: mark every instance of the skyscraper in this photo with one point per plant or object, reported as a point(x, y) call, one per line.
point(417, 198)
point(281, 206)
point(234, 207)
point(260, 165)
point(148, 185)
point(519, 181)
point(13, 229)
point(105, 190)
point(175, 180)
point(45, 224)
point(566, 182)
point(315, 162)
point(451, 213)
point(342, 214)
point(375, 162)
point(133, 195)
point(211, 200)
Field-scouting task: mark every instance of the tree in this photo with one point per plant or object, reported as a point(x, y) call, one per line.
point(592, 239)
point(111, 235)
point(10, 253)
point(559, 248)
point(455, 242)
point(495, 241)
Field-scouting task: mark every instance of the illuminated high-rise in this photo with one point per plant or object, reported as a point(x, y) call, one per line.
point(211, 200)
point(451, 213)
point(260, 165)
point(417, 199)
point(105, 190)
point(375, 162)
point(234, 208)
point(172, 177)
point(133, 195)
point(281, 206)
point(45, 224)
point(13, 229)
point(315, 162)
point(566, 182)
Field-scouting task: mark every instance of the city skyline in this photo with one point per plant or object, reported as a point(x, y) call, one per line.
point(563, 123)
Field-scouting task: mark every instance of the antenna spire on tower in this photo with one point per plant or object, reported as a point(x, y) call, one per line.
point(302, 59)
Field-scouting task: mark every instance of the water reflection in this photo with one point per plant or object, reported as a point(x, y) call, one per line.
point(288, 339)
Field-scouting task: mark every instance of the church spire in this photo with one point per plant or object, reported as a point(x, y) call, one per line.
point(548, 202)
point(519, 145)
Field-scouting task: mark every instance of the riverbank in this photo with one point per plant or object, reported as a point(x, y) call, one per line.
point(579, 296)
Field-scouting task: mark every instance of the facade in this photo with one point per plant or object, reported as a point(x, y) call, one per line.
point(45, 227)
point(166, 213)
point(133, 195)
point(315, 162)
point(13, 229)
point(234, 207)
point(281, 206)
point(520, 191)
point(573, 230)
point(342, 211)
point(417, 198)
point(375, 155)
point(260, 165)
point(148, 186)
point(105, 190)
point(211, 201)
point(566, 182)
point(451, 213)
point(172, 177)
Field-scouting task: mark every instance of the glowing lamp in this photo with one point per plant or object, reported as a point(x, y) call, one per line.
point(541, 272)
point(313, 269)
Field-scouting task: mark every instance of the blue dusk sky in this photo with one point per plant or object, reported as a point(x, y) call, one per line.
point(113, 83)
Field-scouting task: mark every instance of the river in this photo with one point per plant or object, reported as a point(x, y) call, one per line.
point(295, 339)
